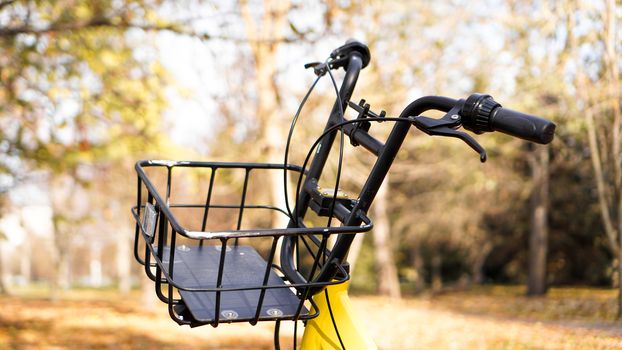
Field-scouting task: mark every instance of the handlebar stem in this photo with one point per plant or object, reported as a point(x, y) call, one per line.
point(355, 64)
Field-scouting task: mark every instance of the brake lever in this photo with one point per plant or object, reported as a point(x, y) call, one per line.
point(319, 68)
point(446, 126)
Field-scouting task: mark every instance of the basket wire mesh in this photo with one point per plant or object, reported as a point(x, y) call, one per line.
point(229, 273)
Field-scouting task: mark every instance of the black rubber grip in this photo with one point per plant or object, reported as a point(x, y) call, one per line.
point(522, 125)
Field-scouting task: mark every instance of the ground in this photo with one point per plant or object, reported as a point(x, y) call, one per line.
point(482, 318)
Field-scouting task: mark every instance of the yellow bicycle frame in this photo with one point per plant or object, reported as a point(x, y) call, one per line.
point(320, 332)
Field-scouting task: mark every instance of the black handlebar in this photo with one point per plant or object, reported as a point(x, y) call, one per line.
point(522, 125)
point(480, 113)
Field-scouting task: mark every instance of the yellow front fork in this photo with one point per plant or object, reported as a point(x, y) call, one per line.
point(320, 331)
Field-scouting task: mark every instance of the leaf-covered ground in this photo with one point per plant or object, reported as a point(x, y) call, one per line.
point(484, 318)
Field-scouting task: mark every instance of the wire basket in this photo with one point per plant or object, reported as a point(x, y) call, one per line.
point(201, 236)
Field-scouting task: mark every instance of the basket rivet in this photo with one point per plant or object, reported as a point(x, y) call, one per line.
point(229, 314)
point(274, 312)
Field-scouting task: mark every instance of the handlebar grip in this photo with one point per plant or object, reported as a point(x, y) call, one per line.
point(522, 125)
point(480, 113)
point(352, 46)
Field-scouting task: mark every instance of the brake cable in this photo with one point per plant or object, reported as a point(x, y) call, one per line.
point(332, 204)
point(287, 144)
point(320, 70)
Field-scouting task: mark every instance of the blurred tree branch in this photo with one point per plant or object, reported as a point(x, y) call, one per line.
point(6, 3)
point(95, 22)
point(124, 21)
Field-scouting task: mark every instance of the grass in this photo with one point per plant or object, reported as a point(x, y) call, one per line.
point(497, 317)
point(492, 317)
point(560, 304)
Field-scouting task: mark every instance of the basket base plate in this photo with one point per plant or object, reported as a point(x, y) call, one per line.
point(197, 267)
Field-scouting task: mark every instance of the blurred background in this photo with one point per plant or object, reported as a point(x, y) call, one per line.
point(87, 88)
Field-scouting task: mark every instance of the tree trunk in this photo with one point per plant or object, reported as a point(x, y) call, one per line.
point(437, 277)
point(25, 264)
point(63, 271)
point(3, 270)
point(61, 278)
point(355, 251)
point(619, 315)
point(612, 60)
point(268, 113)
point(124, 268)
point(268, 100)
point(538, 236)
point(147, 292)
point(25, 258)
point(96, 278)
point(478, 263)
point(388, 282)
point(418, 264)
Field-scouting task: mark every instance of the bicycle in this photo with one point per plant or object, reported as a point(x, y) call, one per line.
point(225, 275)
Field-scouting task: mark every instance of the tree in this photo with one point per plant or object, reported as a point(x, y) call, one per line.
point(75, 92)
point(428, 187)
point(598, 88)
point(263, 37)
point(525, 16)
point(388, 282)
point(538, 236)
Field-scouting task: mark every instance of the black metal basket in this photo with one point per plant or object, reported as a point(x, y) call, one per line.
point(207, 265)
